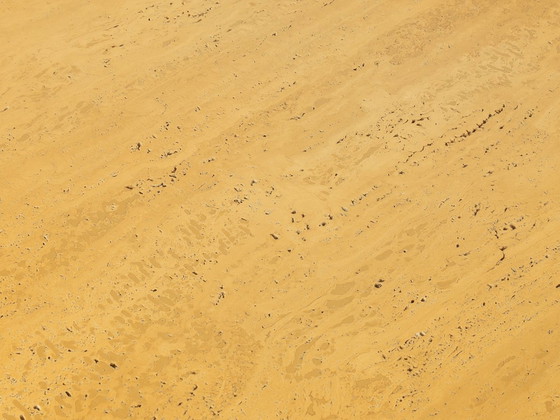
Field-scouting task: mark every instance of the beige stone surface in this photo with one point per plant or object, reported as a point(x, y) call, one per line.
point(279, 209)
